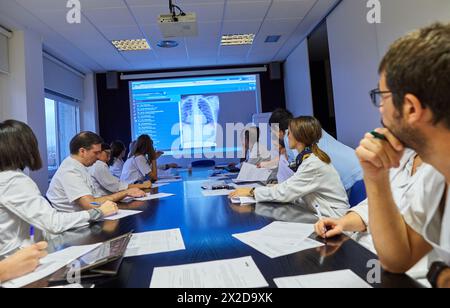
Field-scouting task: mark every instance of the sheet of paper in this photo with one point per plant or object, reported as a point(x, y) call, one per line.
point(213, 183)
point(273, 248)
point(168, 181)
point(243, 200)
point(72, 286)
point(155, 242)
point(284, 171)
point(338, 279)
point(288, 230)
point(233, 273)
point(153, 197)
point(250, 185)
point(280, 239)
point(159, 185)
point(122, 214)
point(218, 192)
point(250, 173)
point(50, 264)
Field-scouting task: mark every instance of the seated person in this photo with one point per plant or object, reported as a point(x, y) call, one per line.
point(105, 183)
point(141, 166)
point(407, 179)
point(315, 182)
point(72, 188)
point(253, 151)
point(116, 162)
point(22, 262)
point(21, 202)
point(343, 157)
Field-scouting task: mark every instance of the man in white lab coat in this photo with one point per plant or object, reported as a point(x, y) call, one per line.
point(72, 188)
point(414, 102)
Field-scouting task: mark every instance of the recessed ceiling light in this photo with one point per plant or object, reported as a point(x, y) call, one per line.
point(237, 39)
point(131, 45)
point(273, 38)
point(167, 44)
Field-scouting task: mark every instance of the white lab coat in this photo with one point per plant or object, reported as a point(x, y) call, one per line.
point(343, 157)
point(426, 217)
point(402, 184)
point(135, 169)
point(22, 205)
point(314, 183)
point(105, 183)
point(71, 182)
point(116, 168)
point(258, 154)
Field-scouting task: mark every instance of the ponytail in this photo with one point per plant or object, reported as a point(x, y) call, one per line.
point(320, 154)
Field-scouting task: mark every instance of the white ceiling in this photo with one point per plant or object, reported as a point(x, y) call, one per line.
point(87, 45)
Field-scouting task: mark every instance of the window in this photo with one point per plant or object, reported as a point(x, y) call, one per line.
point(62, 123)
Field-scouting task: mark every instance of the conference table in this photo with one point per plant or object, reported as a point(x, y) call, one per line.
point(207, 225)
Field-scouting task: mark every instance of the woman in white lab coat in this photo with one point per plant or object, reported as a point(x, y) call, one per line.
point(141, 165)
point(116, 161)
point(253, 151)
point(316, 183)
point(21, 202)
point(105, 183)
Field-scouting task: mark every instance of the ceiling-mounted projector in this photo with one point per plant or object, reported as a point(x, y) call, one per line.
point(178, 26)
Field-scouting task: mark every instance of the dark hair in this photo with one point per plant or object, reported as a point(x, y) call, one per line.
point(117, 148)
point(249, 130)
point(281, 117)
point(308, 131)
point(144, 146)
point(19, 147)
point(84, 140)
point(419, 64)
point(105, 147)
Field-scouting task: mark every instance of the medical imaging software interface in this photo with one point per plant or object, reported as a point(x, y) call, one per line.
point(184, 113)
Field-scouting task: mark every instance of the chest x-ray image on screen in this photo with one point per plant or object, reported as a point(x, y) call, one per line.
point(187, 114)
point(199, 115)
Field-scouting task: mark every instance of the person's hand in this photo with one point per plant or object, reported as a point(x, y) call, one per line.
point(147, 185)
point(328, 228)
point(378, 156)
point(259, 165)
point(241, 192)
point(135, 193)
point(159, 154)
point(173, 166)
point(109, 208)
point(24, 261)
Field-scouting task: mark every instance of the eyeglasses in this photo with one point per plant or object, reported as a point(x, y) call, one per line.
point(377, 97)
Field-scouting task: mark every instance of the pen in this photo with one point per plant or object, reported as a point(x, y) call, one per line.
point(378, 135)
point(95, 204)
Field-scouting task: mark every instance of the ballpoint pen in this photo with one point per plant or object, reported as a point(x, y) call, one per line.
point(378, 135)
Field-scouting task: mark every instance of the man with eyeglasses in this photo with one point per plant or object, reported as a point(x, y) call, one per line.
point(414, 101)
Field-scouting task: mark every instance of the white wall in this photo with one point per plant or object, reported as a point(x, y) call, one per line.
point(22, 92)
point(354, 65)
point(297, 81)
point(356, 47)
point(89, 107)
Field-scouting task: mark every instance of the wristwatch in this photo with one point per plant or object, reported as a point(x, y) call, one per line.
point(435, 271)
point(252, 192)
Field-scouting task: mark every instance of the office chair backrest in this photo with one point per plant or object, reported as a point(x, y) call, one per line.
point(357, 193)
